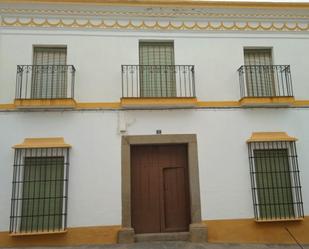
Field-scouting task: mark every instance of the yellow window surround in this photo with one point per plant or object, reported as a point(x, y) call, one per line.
point(270, 136)
point(54, 142)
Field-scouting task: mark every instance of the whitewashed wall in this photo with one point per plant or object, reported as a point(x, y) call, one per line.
point(95, 171)
point(98, 55)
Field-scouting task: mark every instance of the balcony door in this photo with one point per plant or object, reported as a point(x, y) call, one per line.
point(259, 73)
point(157, 69)
point(49, 73)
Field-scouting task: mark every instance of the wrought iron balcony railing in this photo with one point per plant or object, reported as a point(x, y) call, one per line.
point(158, 81)
point(45, 82)
point(265, 81)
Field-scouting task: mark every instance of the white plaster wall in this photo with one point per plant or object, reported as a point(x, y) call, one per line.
point(94, 186)
point(95, 170)
point(98, 55)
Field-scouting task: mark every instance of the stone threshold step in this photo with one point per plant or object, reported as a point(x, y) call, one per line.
point(176, 236)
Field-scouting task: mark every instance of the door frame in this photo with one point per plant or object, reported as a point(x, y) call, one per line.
point(126, 234)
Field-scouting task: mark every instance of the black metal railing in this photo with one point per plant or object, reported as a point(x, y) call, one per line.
point(45, 81)
point(265, 81)
point(158, 81)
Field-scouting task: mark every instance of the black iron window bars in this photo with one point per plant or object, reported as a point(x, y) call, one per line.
point(275, 180)
point(40, 190)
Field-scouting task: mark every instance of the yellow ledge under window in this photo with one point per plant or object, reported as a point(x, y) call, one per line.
point(38, 233)
point(158, 102)
point(45, 103)
point(266, 101)
point(279, 220)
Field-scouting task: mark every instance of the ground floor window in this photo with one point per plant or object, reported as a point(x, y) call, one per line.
point(276, 188)
point(40, 187)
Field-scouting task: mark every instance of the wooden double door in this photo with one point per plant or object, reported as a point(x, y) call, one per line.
point(160, 188)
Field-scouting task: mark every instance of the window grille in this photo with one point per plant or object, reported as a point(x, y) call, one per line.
point(275, 181)
point(40, 190)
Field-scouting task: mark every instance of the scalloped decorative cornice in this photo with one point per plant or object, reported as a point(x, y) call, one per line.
point(155, 25)
point(153, 18)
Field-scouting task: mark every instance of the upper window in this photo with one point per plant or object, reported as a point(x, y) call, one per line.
point(259, 72)
point(157, 72)
point(156, 75)
point(49, 77)
point(40, 177)
point(259, 77)
point(275, 179)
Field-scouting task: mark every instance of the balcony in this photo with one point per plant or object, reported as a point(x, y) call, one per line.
point(151, 86)
point(265, 85)
point(45, 86)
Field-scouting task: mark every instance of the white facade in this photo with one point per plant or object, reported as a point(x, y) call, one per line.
point(95, 179)
point(100, 80)
point(94, 132)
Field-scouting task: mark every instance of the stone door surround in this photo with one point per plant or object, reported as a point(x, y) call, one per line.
point(198, 231)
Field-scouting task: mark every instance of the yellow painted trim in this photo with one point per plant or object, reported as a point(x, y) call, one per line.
point(264, 101)
point(74, 236)
point(172, 3)
point(51, 142)
point(280, 220)
point(44, 103)
point(158, 102)
point(141, 13)
point(37, 233)
point(299, 103)
point(7, 106)
point(250, 231)
point(157, 25)
point(218, 104)
point(96, 105)
point(210, 104)
point(270, 136)
point(219, 231)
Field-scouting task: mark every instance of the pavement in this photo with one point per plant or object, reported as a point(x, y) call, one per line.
point(178, 245)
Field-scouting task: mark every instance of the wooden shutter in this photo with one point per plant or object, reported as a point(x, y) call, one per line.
point(49, 78)
point(273, 180)
point(42, 204)
point(259, 73)
point(157, 69)
point(258, 57)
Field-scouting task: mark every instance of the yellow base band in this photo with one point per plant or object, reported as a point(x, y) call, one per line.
point(219, 231)
point(250, 231)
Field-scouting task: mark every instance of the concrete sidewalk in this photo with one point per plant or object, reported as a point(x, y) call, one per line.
point(178, 245)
